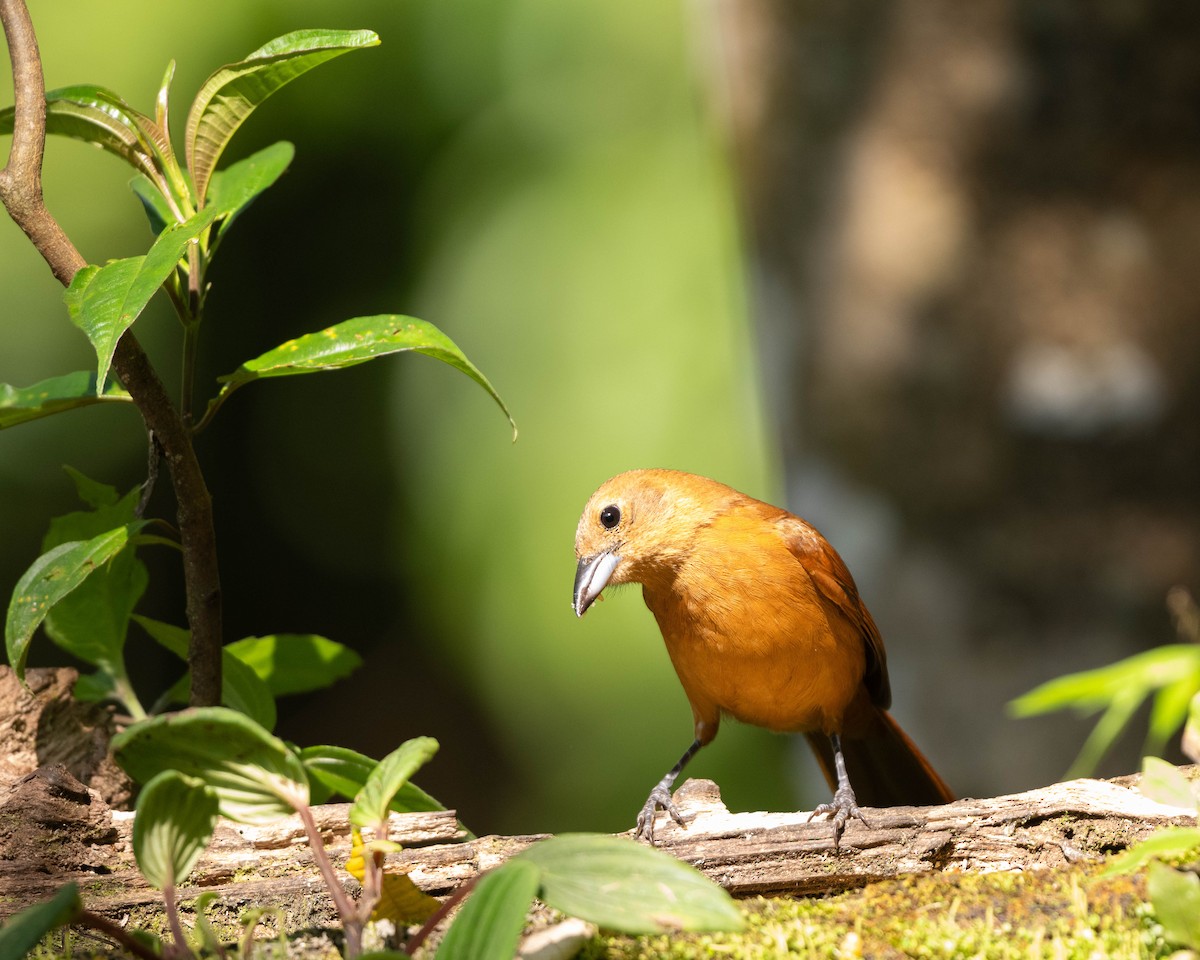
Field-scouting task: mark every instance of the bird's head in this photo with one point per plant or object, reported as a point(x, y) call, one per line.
point(634, 528)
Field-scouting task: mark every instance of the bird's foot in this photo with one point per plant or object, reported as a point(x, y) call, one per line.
point(660, 796)
point(842, 807)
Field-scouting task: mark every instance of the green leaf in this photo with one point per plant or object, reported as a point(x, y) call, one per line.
point(344, 771)
point(67, 392)
point(1175, 895)
point(623, 885)
point(1119, 690)
point(296, 662)
point(1170, 842)
point(241, 688)
point(155, 205)
point(105, 301)
point(490, 923)
point(92, 622)
point(176, 816)
point(352, 342)
point(100, 117)
point(1191, 731)
point(256, 777)
point(233, 188)
point(21, 932)
point(1166, 783)
point(51, 578)
point(374, 799)
point(230, 95)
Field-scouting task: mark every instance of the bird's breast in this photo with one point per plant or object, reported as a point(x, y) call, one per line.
point(748, 636)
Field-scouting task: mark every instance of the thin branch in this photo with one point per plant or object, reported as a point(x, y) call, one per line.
point(21, 194)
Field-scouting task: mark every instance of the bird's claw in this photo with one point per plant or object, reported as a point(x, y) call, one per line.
point(842, 807)
point(660, 796)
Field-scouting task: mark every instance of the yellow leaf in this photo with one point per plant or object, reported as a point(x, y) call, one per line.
point(401, 900)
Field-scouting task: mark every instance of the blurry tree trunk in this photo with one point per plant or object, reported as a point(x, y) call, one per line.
point(970, 230)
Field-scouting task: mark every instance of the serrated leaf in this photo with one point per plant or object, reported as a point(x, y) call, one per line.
point(353, 342)
point(490, 923)
point(105, 301)
point(400, 900)
point(235, 187)
point(623, 885)
point(175, 819)
point(46, 397)
point(51, 578)
point(344, 771)
point(98, 116)
point(241, 688)
point(231, 94)
point(21, 932)
point(256, 777)
point(296, 662)
point(372, 802)
point(1175, 895)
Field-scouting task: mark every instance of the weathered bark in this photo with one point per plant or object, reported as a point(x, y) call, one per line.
point(53, 831)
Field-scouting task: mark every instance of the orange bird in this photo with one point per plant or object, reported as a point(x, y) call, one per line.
point(762, 622)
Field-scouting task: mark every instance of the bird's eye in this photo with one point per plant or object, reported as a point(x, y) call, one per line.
point(610, 516)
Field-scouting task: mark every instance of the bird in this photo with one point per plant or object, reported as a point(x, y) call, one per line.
point(763, 623)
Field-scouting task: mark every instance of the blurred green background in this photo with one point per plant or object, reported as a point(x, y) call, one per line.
point(966, 234)
point(542, 182)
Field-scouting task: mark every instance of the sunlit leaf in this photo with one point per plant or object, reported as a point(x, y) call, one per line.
point(67, 392)
point(233, 188)
point(241, 688)
point(1169, 842)
point(296, 662)
point(344, 771)
point(1119, 690)
point(1166, 783)
point(93, 620)
point(1191, 731)
point(1175, 895)
point(256, 777)
point(352, 342)
point(51, 577)
point(176, 816)
point(372, 802)
point(21, 932)
point(230, 95)
point(105, 301)
point(98, 116)
point(623, 885)
point(400, 900)
point(490, 923)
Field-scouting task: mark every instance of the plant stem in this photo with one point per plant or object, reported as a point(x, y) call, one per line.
point(21, 194)
point(448, 904)
point(110, 929)
point(342, 901)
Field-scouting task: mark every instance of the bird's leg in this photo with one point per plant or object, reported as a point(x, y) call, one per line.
point(844, 805)
point(660, 796)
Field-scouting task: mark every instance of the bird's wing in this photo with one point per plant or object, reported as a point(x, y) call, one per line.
point(833, 582)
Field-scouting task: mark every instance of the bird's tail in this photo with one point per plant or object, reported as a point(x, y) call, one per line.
point(885, 767)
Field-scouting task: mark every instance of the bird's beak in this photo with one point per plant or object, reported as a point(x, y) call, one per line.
point(592, 577)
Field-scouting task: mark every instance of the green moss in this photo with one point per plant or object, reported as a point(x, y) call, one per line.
point(1000, 916)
